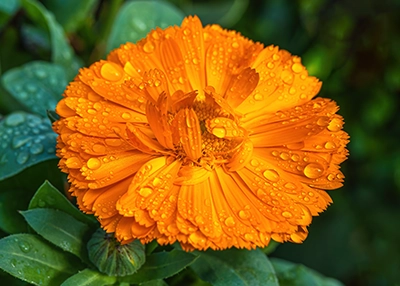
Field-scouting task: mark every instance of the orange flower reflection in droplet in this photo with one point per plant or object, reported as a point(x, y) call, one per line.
point(201, 136)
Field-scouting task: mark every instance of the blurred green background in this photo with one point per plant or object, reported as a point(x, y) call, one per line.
point(353, 47)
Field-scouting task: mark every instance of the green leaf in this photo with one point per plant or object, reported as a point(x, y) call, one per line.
point(60, 229)
point(26, 139)
point(137, 18)
point(36, 85)
point(72, 13)
point(161, 265)
point(89, 277)
point(235, 267)
point(47, 196)
point(291, 274)
point(62, 52)
point(158, 282)
point(10, 203)
point(29, 258)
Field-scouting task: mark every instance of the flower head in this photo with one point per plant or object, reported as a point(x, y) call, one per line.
point(198, 135)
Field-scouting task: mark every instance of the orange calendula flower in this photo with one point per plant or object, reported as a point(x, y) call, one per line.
point(199, 135)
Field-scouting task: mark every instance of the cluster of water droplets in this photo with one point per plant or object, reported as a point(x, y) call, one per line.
point(37, 85)
point(25, 139)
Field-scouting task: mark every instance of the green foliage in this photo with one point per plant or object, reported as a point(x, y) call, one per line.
point(161, 265)
point(60, 229)
point(47, 196)
point(137, 18)
point(62, 52)
point(36, 82)
point(235, 267)
point(29, 258)
point(352, 46)
point(27, 139)
point(291, 274)
point(89, 277)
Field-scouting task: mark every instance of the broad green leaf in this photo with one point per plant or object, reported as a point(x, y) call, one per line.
point(161, 265)
point(62, 52)
point(30, 258)
point(11, 202)
point(60, 229)
point(89, 277)
point(47, 196)
point(36, 85)
point(72, 13)
point(158, 282)
point(235, 267)
point(137, 18)
point(291, 274)
point(225, 13)
point(26, 139)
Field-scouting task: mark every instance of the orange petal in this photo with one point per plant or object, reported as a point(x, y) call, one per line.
point(159, 124)
point(241, 86)
point(285, 83)
point(173, 63)
point(105, 204)
point(141, 141)
point(191, 43)
point(241, 156)
point(189, 132)
point(106, 170)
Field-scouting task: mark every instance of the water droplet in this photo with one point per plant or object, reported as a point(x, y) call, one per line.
point(199, 220)
point(331, 177)
point(111, 71)
point(235, 45)
point(15, 119)
point(276, 57)
point(270, 65)
point(292, 90)
point(195, 61)
point(313, 170)
point(230, 221)
point(258, 97)
point(295, 157)
point(330, 145)
point(271, 175)
point(287, 214)
point(284, 156)
point(254, 162)
point(24, 246)
point(145, 192)
point(20, 140)
point(148, 47)
point(126, 115)
point(290, 186)
point(323, 121)
point(93, 163)
point(287, 77)
point(297, 68)
point(248, 237)
point(36, 148)
point(219, 132)
point(244, 214)
point(22, 157)
point(113, 142)
point(99, 148)
point(335, 125)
